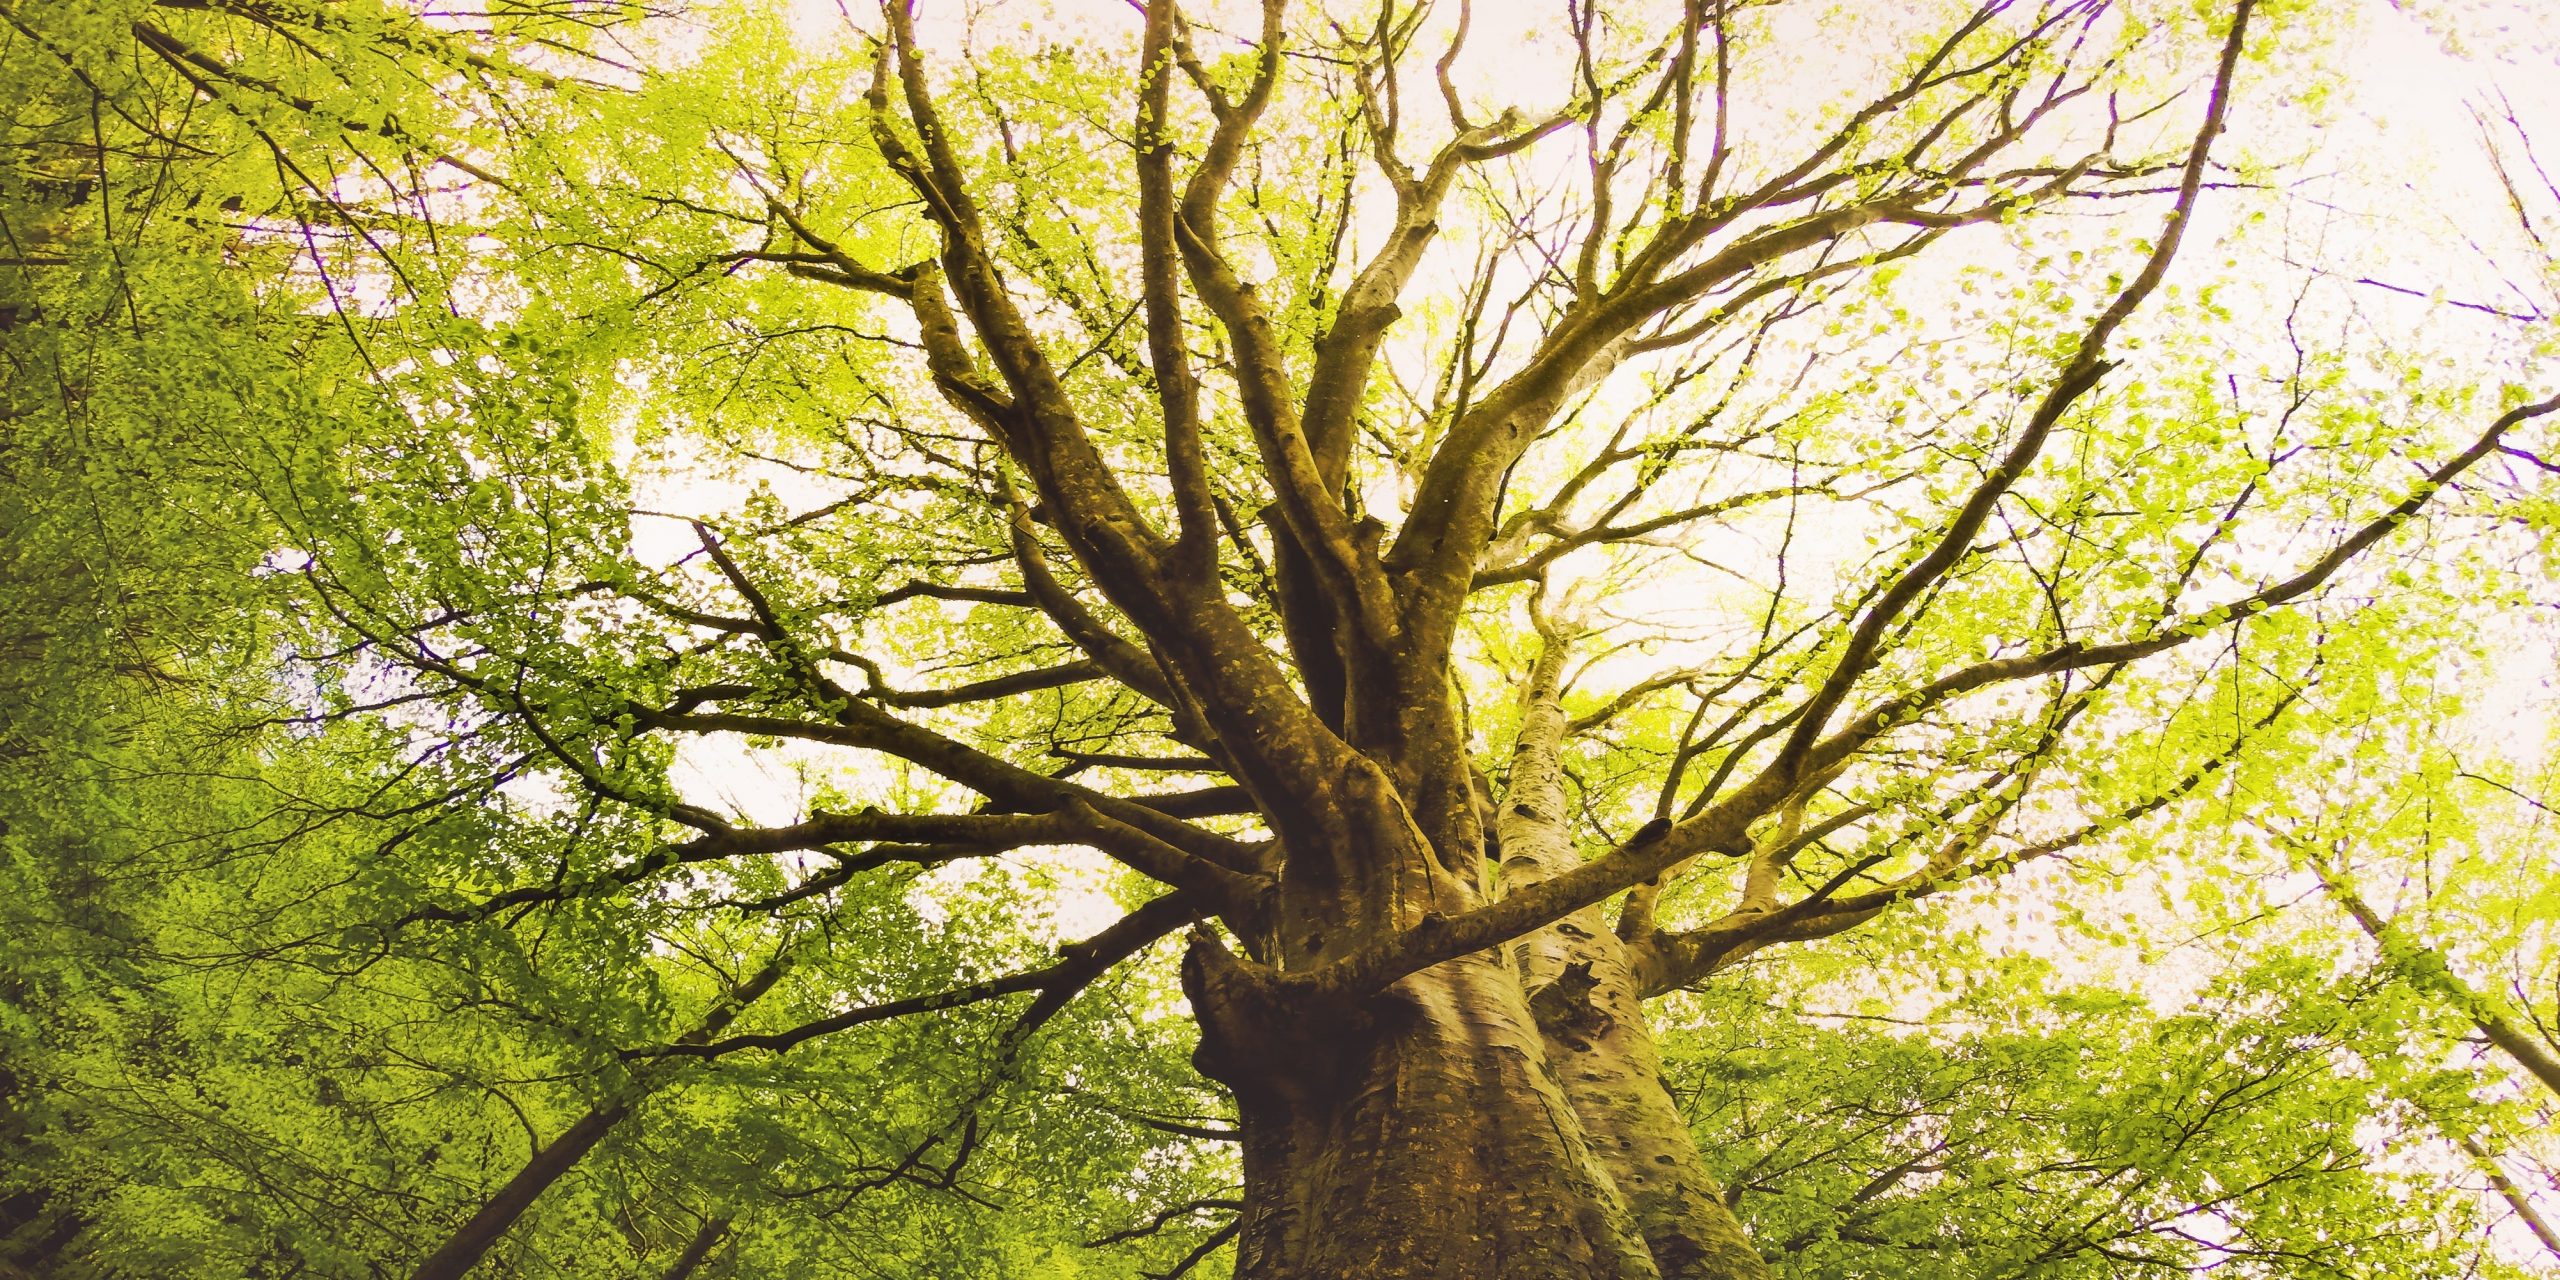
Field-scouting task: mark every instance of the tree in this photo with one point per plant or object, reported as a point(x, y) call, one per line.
point(1479, 543)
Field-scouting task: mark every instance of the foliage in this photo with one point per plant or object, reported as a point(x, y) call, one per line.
point(544, 594)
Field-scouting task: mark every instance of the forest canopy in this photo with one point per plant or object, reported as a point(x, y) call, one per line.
point(1667, 640)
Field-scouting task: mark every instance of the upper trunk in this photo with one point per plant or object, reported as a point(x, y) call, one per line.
point(1583, 990)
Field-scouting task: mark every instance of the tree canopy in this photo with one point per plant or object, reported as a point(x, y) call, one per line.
point(1712, 638)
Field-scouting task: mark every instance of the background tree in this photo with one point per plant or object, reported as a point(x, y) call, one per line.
point(665, 565)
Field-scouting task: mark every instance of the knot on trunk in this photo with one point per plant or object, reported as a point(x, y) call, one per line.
point(1564, 1008)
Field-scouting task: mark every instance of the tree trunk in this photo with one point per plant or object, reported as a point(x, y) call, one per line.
point(1599, 1047)
point(1419, 1135)
point(1583, 990)
point(1500, 1116)
point(1447, 1130)
point(1433, 1131)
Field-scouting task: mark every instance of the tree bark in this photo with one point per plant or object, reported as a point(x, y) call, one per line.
point(1499, 1116)
point(1419, 1134)
point(1437, 1130)
point(1585, 993)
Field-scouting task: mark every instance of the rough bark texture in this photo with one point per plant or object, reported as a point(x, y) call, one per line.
point(1584, 993)
point(1497, 1116)
point(1420, 1135)
point(1445, 1129)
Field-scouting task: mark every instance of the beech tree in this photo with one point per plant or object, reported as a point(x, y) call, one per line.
point(654, 544)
